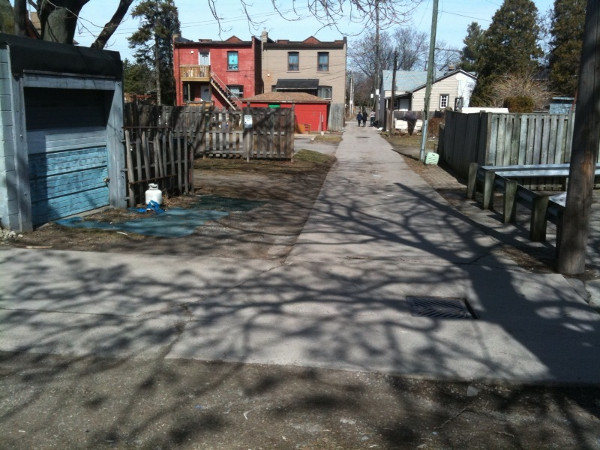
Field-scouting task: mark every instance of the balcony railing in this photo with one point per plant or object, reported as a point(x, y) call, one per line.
point(194, 73)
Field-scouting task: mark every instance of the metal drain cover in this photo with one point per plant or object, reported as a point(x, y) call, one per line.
point(441, 307)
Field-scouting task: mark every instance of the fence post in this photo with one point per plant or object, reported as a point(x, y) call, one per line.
point(247, 123)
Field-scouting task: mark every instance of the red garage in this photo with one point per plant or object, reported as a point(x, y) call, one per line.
point(311, 111)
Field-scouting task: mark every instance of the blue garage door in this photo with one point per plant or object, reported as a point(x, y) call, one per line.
point(68, 157)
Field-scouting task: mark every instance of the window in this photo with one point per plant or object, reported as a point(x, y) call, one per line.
point(232, 60)
point(203, 58)
point(444, 101)
point(293, 61)
point(236, 90)
point(323, 62)
point(324, 92)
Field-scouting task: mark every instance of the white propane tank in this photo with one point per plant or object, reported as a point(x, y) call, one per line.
point(153, 193)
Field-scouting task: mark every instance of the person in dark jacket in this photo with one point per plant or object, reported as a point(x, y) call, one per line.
point(359, 118)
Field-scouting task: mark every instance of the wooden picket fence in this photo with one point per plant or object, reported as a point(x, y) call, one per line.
point(157, 155)
point(161, 143)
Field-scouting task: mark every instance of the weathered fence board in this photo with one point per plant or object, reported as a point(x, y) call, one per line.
point(507, 139)
point(162, 142)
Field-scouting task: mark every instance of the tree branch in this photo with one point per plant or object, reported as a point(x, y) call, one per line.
point(112, 25)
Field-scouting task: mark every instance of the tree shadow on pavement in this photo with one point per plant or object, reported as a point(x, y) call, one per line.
point(312, 353)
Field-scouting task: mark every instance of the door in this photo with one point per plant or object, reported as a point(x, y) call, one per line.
point(205, 93)
point(67, 151)
point(204, 58)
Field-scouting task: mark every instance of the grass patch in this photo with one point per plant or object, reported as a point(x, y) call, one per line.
point(314, 157)
point(406, 142)
point(328, 138)
point(304, 161)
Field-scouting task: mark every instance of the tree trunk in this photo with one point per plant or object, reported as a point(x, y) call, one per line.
point(157, 71)
point(19, 17)
point(58, 19)
point(586, 138)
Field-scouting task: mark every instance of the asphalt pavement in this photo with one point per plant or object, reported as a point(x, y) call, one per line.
point(385, 276)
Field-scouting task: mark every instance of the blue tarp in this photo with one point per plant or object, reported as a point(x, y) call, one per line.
point(176, 222)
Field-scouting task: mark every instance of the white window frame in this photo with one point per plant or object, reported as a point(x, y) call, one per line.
point(444, 101)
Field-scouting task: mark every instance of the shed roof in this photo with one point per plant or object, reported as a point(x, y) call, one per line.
point(411, 80)
point(285, 97)
point(28, 54)
point(406, 80)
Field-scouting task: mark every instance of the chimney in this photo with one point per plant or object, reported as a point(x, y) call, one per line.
point(264, 36)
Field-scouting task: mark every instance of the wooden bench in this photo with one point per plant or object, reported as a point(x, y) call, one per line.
point(491, 174)
point(543, 207)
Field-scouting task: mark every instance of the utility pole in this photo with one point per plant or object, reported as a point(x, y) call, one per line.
point(574, 229)
point(351, 95)
point(430, 66)
point(377, 61)
point(393, 96)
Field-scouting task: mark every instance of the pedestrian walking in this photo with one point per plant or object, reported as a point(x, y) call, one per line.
point(359, 118)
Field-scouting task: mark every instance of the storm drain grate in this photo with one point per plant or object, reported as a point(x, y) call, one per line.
point(441, 307)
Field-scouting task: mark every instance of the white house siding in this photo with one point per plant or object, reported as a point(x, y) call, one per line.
point(466, 85)
point(457, 85)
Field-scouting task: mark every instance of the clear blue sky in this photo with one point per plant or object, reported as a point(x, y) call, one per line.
point(197, 21)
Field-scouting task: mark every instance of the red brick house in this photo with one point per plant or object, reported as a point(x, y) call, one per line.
point(216, 72)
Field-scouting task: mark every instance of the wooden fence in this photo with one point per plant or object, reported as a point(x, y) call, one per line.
point(336, 120)
point(161, 142)
point(158, 155)
point(505, 139)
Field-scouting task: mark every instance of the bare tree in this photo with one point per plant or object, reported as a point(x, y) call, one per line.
point(363, 56)
point(330, 13)
point(446, 58)
point(412, 47)
point(59, 17)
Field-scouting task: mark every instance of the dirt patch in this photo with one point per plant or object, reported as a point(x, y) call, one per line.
point(109, 403)
point(287, 190)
